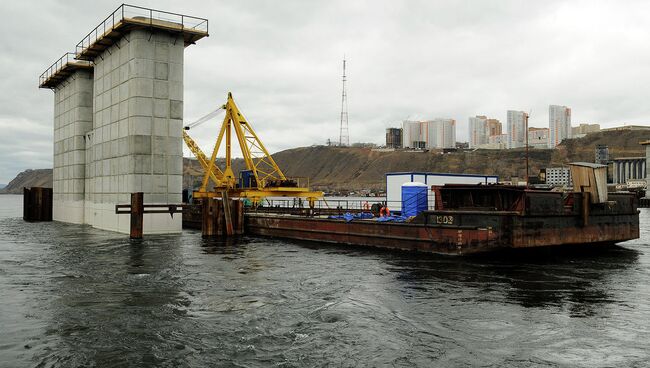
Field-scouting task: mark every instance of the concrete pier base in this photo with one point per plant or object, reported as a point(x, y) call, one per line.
point(136, 144)
point(73, 118)
point(102, 216)
point(118, 119)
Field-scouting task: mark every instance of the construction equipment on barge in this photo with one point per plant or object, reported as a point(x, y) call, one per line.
point(469, 219)
point(262, 177)
point(474, 219)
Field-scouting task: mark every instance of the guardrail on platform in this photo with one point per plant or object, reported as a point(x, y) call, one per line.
point(126, 11)
point(68, 57)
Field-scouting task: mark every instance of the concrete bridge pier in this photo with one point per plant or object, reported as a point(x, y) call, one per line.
point(119, 116)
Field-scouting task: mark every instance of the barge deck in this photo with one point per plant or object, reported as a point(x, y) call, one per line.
point(468, 220)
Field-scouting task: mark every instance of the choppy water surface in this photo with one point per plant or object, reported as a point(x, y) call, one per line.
point(76, 296)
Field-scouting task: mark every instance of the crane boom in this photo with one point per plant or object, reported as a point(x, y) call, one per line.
point(266, 178)
point(215, 173)
point(255, 154)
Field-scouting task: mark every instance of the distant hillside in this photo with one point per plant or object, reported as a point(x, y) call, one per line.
point(357, 168)
point(623, 143)
point(344, 168)
point(29, 178)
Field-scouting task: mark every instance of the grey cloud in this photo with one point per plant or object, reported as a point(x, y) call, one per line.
point(282, 61)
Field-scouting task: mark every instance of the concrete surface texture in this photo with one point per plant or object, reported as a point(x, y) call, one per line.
point(135, 144)
point(73, 115)
point(647, 159)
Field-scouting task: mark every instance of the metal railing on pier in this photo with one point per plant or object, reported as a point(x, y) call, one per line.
point(133, 12)
point(68, 57)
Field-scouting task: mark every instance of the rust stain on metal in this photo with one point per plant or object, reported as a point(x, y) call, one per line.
point(471, 220)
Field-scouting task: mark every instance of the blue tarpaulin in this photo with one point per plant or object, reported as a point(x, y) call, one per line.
point(392, 219)
point(367, 215)
point(349, 216)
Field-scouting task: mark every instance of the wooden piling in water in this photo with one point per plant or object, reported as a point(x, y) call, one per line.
point(207, 223)
point(222, 217)
point(238, 216)
point(137, 214)
point(227, 213)
point(218, 217)
point(37, 204)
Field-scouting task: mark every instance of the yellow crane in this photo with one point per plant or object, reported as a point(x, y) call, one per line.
point(262, 177)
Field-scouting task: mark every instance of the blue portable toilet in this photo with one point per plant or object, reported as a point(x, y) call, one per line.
point(246, 179)
point(414, 198)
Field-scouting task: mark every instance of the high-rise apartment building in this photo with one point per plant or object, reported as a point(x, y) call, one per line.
point(478, 131)
point(494, 127)
point(481, 129)
point(411, 133)
point(394, 137)
point(445, 133)
point(438, 133)
point(516, 128)
point(559, 124)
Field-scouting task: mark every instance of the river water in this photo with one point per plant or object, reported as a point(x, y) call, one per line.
point(75, 296)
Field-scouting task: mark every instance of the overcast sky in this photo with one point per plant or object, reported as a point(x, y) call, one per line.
point(406, 59)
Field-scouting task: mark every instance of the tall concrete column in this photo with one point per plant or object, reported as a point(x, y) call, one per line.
point(73, 87)
point(622, 175)
point(645, 166)
point(136, 143)
point(622, 172)
point(629, 171)
point(643, 170)
point(118, 118)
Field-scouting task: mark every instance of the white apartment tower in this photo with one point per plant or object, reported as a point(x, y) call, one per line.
point(516, 128)
point(478, 131)
point(438, 133)
point(445, 133)
point(411, 133)
point(559, 124)
point(481, 129)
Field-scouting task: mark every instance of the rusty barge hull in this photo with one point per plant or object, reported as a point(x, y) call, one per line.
point(473, 219)
point(467, 220)
point(475, 232)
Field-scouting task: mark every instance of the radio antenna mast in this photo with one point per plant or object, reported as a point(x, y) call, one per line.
point(344, 135)
point(527, 174)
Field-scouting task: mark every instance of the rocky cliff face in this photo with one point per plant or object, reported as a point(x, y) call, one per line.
point(344, 168)
point(29, 178)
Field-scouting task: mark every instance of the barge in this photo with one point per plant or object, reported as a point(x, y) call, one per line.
point(472, 219)
point(463, 219)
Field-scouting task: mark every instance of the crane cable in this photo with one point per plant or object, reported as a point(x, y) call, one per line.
point(204, 119)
